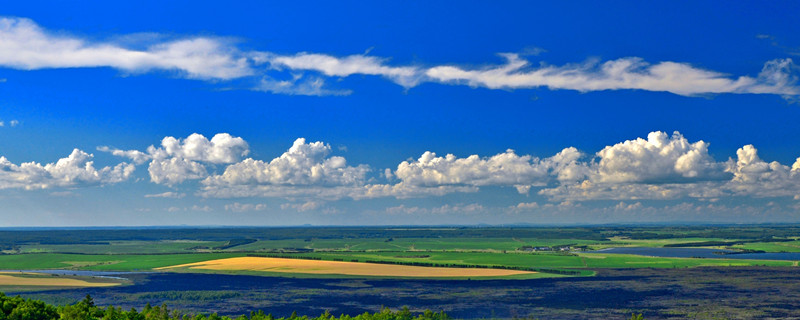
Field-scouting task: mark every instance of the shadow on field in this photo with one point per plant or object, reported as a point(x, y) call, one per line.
point(730, 292)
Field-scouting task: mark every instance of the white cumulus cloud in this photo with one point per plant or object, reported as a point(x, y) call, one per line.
point(756, 177)
point(502, 169)
point(178, 160)
point(303, 164)
point(171, 171)
point(664, 167)
point(659, 158)
point(75, 170)
point(222, 148)
point(138, 157)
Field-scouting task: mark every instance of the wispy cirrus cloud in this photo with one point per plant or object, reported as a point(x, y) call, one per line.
point(25, 45)
point(776, 77)
point(406, 76)
point(299, 85)
point(168, 194)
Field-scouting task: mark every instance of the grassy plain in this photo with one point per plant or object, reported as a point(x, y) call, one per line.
point(122, 247)
point(615, 242)
point(791, 246)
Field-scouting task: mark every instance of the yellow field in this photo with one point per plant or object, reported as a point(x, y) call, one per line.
point(16, 279)
point(341, 268)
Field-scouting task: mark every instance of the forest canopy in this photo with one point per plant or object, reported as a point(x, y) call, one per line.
point(17, 308)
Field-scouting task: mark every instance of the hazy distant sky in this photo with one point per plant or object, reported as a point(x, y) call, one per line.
point(340, 112)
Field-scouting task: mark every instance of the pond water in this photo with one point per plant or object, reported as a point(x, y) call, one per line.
point(701, 253)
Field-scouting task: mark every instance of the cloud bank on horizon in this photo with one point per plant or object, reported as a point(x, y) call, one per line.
point(24, 45)
point(660, 167)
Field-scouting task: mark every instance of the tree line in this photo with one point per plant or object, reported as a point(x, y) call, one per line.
point(17, 308)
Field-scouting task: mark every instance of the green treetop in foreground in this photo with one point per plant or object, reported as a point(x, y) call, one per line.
point(17, 308)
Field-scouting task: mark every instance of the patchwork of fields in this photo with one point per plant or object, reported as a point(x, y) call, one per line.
point(524, 271)
point(385, 252)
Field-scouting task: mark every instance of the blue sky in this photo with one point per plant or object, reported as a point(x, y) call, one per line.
point(402, 113)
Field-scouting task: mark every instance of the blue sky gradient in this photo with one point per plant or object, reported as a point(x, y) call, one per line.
point(379, 85)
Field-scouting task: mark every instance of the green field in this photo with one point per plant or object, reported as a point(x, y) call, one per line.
point(528, 248)
point(793, 246)
point(102, 262)
point(546, 260)
point(399, 244)
point(122, 247)
point(395, 244)
point(349, 245)
point(539, 260)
